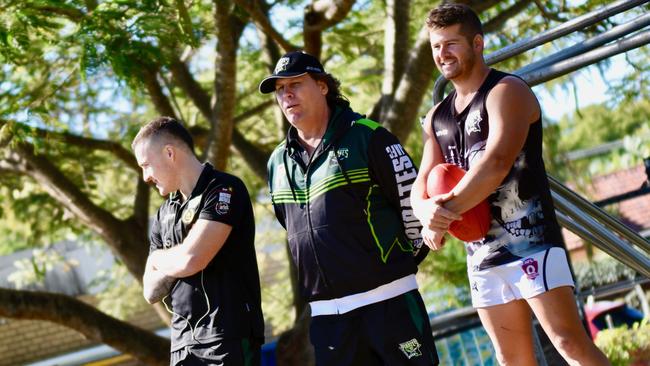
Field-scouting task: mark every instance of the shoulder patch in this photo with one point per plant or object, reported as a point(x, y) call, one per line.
point(223, 201)
point(368, 123)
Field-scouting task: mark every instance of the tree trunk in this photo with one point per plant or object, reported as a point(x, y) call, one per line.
point(396, 43)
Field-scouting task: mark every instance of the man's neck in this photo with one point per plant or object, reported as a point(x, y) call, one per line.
point(311, 136)
point(468, 86)
point(189, 176)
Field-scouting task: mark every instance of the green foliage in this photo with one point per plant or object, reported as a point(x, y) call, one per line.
point(273, 262)
point(594, 126)
point(443, 276)
point(30, 217)
point(600, 272)
point(625, 346)
point(118, 294)
point(30, 272)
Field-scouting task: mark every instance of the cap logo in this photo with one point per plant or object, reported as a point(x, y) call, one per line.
point(281, 65)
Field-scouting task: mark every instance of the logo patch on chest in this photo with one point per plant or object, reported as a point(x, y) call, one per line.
point(473, 122)
point(190, 210)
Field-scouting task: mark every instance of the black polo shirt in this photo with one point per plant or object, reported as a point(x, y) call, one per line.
point(222, 301)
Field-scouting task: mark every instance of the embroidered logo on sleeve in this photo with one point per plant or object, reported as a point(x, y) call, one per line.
point(223, 201)
point(411, 348)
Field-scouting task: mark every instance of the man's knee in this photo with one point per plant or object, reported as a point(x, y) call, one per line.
point(569, 345)
point(514, 356)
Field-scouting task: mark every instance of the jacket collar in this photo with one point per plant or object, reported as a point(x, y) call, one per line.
point(341, 120)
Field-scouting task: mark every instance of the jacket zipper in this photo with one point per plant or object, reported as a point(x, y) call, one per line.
point(308, 208)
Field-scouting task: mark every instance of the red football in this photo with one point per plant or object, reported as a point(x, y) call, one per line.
point(476, 221)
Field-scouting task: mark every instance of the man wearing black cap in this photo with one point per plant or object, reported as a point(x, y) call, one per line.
point(340, 186)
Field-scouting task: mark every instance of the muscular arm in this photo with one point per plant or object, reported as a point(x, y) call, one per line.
point(155, 284)
point(427, 209)
point(202, 243)
point(431, 156)
point(511, 107)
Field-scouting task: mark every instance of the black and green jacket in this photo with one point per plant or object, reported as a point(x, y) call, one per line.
point(347, 210)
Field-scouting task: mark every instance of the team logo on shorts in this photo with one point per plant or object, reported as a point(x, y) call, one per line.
point(411, 348)
point(531, 268)
point(223, 203)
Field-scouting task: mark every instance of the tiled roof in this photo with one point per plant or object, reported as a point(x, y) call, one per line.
point(633, 212)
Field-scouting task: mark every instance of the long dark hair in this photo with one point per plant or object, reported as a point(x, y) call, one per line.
point(334, 96)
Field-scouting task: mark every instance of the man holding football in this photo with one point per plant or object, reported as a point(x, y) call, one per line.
point(491, 127)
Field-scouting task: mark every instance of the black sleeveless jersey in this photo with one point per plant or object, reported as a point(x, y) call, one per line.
point(523, 218)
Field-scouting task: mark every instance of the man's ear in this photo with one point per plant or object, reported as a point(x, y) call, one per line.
point(478, 43)
point(169, 152)
point(323, 87)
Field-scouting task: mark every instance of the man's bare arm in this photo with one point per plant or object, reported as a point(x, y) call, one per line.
point(156, 285)
point(202, 243)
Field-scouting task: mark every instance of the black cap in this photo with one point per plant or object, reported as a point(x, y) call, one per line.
point(291, 65)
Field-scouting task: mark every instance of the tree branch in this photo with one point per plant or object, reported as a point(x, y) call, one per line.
point(141, 205)
point(254, 155)
point(323, 14)
point(127, 242)
point(270, 54)
point(498, 21)
point(185, 80)
point(254, 111)
point(320, 15)
point(85, 142)
point(155, 90)
point(69, 12)
point(480, 5)
point(548, 15)
point(87, 320)
point(261, 21)
point(412, 87)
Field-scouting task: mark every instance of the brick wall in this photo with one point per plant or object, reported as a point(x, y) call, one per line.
point(24, 341)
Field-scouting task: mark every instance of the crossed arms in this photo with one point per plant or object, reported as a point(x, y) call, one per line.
point(164, 266)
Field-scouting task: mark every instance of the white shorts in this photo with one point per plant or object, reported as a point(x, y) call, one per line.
point(521, 279)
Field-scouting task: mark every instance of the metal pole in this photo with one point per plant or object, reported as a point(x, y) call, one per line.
point(589, 44)
point(590, 229)
point(586, 233)
point(539, 76)
point(599, 214)
point(562, 29)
